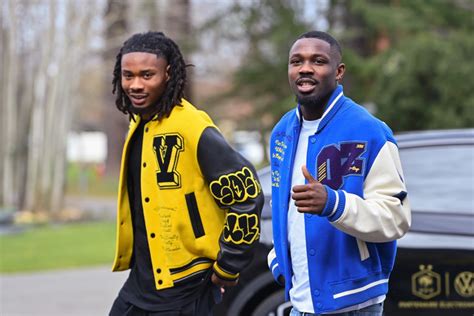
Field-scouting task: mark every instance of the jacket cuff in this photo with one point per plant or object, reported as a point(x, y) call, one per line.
point(277, 275)
point(224, 275)
point(335, 204)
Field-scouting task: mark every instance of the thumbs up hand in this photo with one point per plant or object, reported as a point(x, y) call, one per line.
point(310, 197)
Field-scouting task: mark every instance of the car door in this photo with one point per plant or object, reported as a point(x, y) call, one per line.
point(434, 269)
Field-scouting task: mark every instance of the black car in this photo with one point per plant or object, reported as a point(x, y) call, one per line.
point(434, 269)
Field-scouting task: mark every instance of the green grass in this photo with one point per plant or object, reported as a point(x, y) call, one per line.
point(88, 180)
point(52, 247)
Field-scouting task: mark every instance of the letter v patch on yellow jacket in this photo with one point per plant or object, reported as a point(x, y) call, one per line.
point(167, 148)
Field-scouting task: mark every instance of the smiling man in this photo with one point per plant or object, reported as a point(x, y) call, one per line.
point(339, 200)
point(188, 204)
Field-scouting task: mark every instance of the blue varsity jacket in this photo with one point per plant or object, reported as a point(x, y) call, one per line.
point(351, 246)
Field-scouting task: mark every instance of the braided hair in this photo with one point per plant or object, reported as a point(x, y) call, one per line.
point(162, 46)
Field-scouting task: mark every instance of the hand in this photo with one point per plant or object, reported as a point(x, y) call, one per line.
point(221, 283)
point(310, 197)
point(281, 279)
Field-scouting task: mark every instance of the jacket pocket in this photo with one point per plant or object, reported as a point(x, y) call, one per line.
point(363, 250)
point(194, 215)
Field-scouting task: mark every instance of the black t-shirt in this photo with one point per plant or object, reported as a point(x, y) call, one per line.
point(139, 289)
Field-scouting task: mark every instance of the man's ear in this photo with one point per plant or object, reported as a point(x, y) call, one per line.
point(167, 73)
point(341, 68)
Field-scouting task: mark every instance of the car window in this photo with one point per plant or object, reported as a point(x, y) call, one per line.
point(440, 178)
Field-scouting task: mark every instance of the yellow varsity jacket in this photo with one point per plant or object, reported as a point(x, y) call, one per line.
point(201, 200)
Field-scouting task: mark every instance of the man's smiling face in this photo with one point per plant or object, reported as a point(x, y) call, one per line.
point(144, 78)
point(313, 70)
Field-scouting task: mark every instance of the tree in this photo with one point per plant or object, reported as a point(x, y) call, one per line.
point(425, 84)
point(411, 59)
point(115, 124)
point(41, 96)
point(178, 27)
point(266, 30)
point(45, 45)
point(9, 118)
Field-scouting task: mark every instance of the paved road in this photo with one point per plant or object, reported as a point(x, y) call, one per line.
point(85, 292)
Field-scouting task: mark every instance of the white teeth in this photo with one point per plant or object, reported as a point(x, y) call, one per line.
point(305, 82)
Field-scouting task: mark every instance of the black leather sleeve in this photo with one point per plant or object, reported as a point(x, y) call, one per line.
point(235, 187)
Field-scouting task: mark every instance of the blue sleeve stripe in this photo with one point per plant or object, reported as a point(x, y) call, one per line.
point(275, 271)
point(334, 209)
point(273, 263)
point(331, 202)
point(274, 267)
point(340, 207)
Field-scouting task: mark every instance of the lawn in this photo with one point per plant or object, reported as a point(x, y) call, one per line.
point(62, 246)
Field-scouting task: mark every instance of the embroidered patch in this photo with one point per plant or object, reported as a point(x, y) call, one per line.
point(241, 228)
point(167, 148)
point(336, 162)
point(235, 187)
point(279, 150)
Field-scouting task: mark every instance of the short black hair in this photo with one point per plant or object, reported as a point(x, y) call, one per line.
point(163, 47)
point(325, 37)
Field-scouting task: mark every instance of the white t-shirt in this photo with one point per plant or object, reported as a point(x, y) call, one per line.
point(300, 293)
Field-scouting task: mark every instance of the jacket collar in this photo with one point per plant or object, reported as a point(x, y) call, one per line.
point(333, 105)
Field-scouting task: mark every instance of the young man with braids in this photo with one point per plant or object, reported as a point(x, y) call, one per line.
point(338, 197)
point(189, 205)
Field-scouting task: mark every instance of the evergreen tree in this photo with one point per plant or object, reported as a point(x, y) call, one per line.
point(412, 60)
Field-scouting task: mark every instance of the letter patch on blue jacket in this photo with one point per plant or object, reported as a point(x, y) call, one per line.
point(334, 162)
point(167, 148)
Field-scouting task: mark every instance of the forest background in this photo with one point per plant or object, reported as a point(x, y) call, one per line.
point(408, 61)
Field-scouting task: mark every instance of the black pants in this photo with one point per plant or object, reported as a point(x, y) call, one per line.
point(201, 306)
